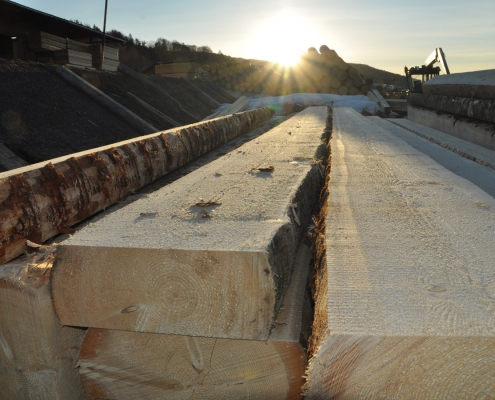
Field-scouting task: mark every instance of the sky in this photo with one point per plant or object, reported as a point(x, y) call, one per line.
point(385, 34)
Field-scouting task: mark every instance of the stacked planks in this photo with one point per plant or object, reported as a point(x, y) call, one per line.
point(73, 58)
point(199, 292)
point(111, 57)
point(461, 104)
point(38, 355)
point(323, 72)
point(63, 51)
point(42, 41)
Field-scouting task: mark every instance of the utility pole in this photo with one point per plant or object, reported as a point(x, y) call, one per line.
point(104, 32)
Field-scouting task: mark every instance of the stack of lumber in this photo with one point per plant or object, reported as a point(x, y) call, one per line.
point(43, 41)
point(323, 72)
point(326, 72)
point(460, 104)
point(38, 355)
point(199, 292)
point(406, 288)
point(61, 51)
point(73, 58)
point(111, 57)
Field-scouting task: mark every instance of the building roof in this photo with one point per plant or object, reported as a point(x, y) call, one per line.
point(19, 20)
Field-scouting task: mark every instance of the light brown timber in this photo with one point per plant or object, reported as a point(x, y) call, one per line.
point(38, 356)
point(404, 306)
point(220, 240)
point(130, 365)
point(44, 199)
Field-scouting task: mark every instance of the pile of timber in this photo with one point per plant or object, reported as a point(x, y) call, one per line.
point(404, 296)
point(460, 104)
point(59, 50)
point(198, 293)
point(73, 58)
point(64, 51)
point(42, 41)
point(323, 72)
point(327, 72)
point(111, 57)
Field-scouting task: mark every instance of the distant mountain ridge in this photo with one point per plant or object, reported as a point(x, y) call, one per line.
point(379, 74)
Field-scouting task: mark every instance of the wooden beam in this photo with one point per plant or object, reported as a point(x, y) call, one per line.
point(153, 110)
point(44, 199)
point(381, 101)
point(120, 364)
point(38, 356)
point(481, 109)
point(97, 95)
point(401, 303)
point(462, 147)
point(221, 240)
point(473, 130)
point(8, 160)
point(477, 85)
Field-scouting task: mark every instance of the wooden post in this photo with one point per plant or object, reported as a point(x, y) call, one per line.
point(104, 35)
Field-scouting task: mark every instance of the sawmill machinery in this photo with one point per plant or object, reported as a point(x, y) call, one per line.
point(427, 71)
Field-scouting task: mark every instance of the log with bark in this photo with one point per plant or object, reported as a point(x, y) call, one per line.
point(42, 200)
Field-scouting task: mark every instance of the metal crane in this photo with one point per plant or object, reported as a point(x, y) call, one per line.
point(427, 71)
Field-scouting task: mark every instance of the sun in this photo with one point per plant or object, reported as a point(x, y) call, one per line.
point(283, 38)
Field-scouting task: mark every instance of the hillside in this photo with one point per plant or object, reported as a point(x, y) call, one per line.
point(379, 74)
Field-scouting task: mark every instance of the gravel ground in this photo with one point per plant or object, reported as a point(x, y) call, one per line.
point(43, 117)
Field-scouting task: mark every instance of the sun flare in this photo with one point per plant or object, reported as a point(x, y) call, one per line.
point(283, 39)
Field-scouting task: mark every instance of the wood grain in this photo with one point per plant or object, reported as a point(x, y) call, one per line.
point(183, 268)
point(410, 293)
point(130, 365)
point(38, 356)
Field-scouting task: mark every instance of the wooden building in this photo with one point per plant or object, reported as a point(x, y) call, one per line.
point(32, 35)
